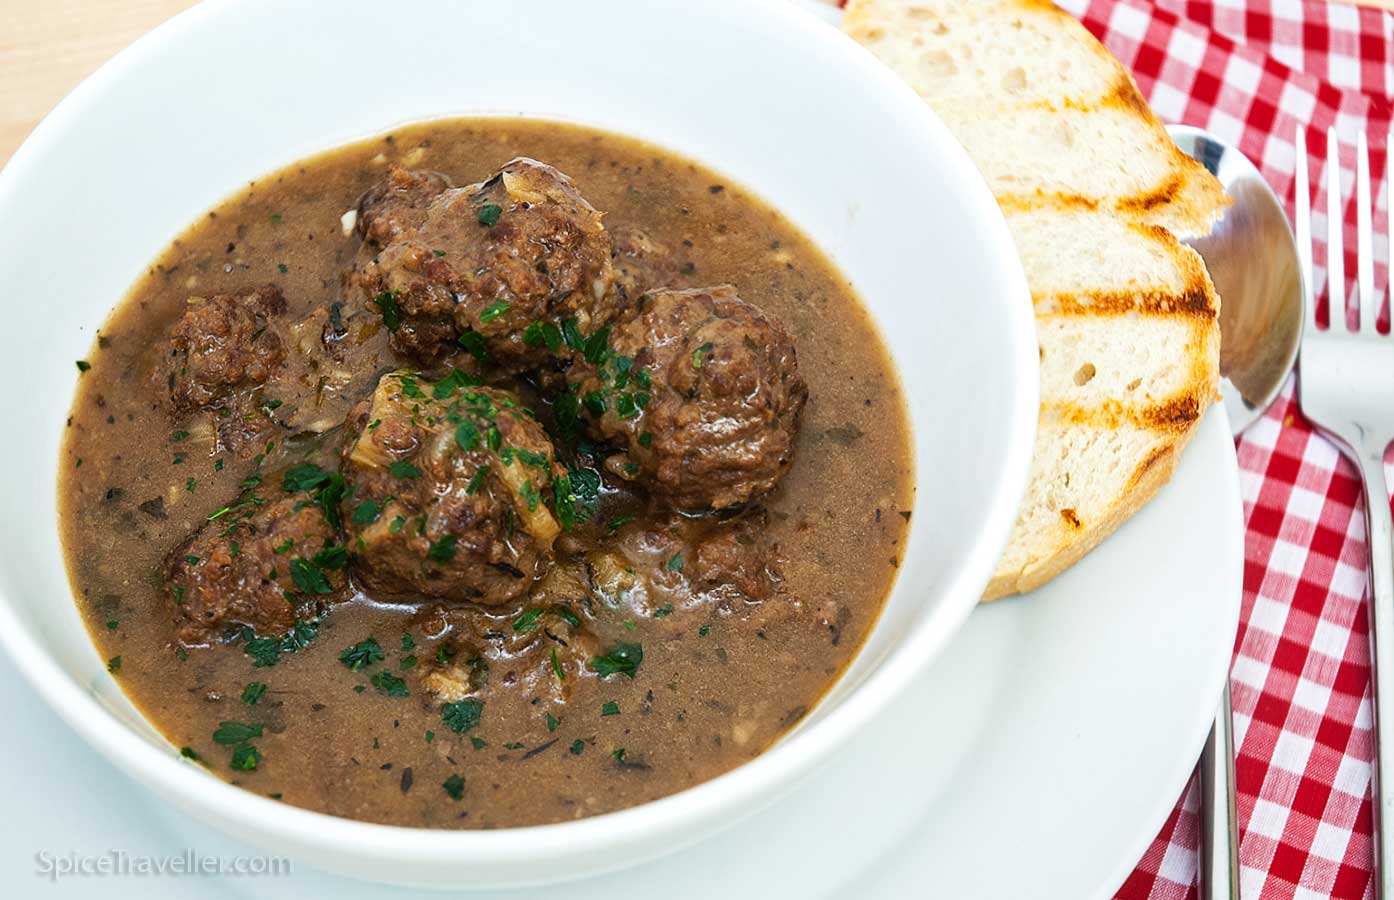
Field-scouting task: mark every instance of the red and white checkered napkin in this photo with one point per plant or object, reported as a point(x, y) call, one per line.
point(1251, 71)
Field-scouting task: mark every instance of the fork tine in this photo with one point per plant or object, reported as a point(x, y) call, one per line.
point(1365, 239)
point(1335, 238)
point(1303, 222)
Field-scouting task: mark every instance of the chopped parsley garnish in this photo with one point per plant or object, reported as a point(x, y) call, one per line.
point(455, 785)
point(438, 252)
point(552, 723)
point(597, 346)
point(489, 214)
point(229, 733)
point(556, 666)
point(283, 267)
point(663, 611)
point(190, 753)
point(674, 564)
point(308, 577)
point(576, 494)
point(625, 406)
point(621, 659)
point(265, 651)
point(403, 469)
point(253, 692)
point(443, 550)
point(408, 642)
point(577, 746)
point(571, 334)
point(493, 311)
point(362, 654)
point(467, 435)
point(540, 333)
point(450, 384)
point(113, 665)
point(527, 621)
point(529, 494)
point(478, 743)
point(245, 758)
point(391, 312)
point(367, 513)
point(83, 365)
point(390, 684)
point(618, 754)
point(702, 632)
point(567, 616)
point(410, 388)
point(646, 439)
point(477, 480)
point(407, 662)
point(699, 353)
point(614, 524)
point(328, 487)
point(473, 342)
point(330, 558)
point(610, 708)
point(397, 524)
point(462, 715)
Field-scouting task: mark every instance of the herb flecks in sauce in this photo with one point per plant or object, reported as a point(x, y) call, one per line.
point(647, 598)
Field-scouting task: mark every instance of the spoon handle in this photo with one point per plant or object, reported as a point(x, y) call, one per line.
point(1219, 837)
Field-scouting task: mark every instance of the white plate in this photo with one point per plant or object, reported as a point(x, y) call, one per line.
point(1038, 757)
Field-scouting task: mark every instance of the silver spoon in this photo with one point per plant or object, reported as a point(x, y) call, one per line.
point(1252, 258)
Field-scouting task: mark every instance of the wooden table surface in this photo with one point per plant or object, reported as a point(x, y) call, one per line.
point(46, 48)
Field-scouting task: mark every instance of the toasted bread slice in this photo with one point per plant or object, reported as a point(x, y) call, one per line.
point(1095, 195)
point(1048, 115)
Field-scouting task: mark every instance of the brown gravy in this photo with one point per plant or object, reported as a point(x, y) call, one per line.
point(716, 686)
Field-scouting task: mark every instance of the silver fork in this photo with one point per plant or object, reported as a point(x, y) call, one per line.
point(1346, 388)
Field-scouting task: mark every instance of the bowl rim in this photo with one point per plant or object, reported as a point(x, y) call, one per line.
point(736, 792)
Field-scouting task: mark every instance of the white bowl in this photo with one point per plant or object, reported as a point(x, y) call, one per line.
point(762, 92)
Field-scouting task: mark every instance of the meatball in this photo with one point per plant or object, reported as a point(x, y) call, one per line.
point(640, 264)
point(397, 204)
point(453, 488)
point(222, 345)
point(488, 649)
point(703, 393)
point(676, 561)
point(490, 265)
point(263, 564)
point(737, 560)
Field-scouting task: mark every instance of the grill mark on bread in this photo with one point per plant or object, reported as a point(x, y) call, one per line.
point(1163, 194)
point(1171, 415)
point(1194, 303)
